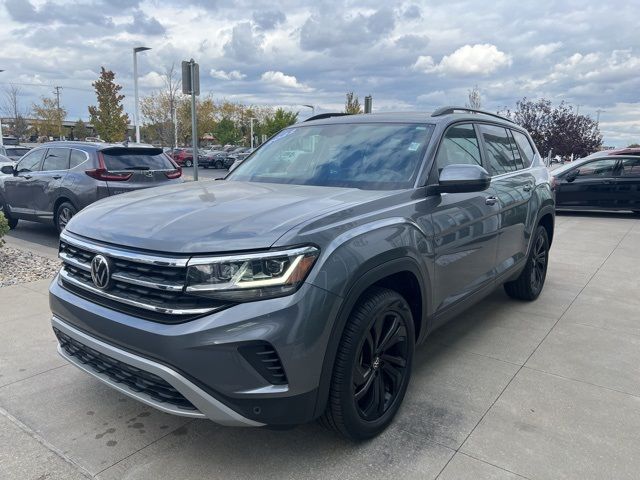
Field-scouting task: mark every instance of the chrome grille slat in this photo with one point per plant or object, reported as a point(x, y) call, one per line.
point(139, 282)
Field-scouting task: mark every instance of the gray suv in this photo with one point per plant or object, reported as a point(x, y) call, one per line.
point(299, 286)
point(53, 182)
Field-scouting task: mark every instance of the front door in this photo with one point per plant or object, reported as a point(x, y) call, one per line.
point(18, 189)
point(591, 185)
point(465, 226)
point(627, 194)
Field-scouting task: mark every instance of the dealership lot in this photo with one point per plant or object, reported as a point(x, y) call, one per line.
point(549, 389)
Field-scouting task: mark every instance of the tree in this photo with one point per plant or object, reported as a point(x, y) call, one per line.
point(352, 105)
point(48, 117)
point(475, 99)
point(634, 145)
point(14, 110)
point(80, 130)
point(279, 120)
point(108, 118)
point(556, 129)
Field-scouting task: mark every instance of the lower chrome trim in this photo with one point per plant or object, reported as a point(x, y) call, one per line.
point(169, 311)
point(208, 407)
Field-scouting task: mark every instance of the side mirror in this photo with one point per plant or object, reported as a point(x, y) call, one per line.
point(459, 178)
point(8, 170)
point(572, 175)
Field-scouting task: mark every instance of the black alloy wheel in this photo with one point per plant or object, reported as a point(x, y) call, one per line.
point(64, 213)
point(218, 164)
point(531, 280)
point(372, 368)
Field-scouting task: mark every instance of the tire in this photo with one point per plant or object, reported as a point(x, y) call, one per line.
point(13, 222)
point(366, 371)
point(188, 163)
point(218, 165)
point(531, 280)
point(64, 213)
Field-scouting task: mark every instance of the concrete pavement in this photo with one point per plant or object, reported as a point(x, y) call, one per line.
point(542, 390)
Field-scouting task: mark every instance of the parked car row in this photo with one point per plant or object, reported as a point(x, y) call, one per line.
point(53, 182)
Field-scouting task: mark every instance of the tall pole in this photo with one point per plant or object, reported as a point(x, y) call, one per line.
point(57, 92)
point(136, 115)
point(251, 120)
point(194, 128)
point(598, 112)
point(1, 138)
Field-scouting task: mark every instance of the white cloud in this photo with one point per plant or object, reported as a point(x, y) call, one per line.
point(152, 80)
point(468, 60)
point(281, 80)
point(539, 52)
point(231, 75)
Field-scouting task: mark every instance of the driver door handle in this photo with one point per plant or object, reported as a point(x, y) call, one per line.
point(491, 200)
point(527, 187)
point(28, 177)
point(57, 177)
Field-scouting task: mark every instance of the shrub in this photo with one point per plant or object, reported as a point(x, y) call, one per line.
point(4, 227)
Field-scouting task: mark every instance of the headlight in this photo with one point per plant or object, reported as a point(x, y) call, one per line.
point(250, 277)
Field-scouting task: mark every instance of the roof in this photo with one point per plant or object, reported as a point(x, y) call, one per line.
point(95, 145)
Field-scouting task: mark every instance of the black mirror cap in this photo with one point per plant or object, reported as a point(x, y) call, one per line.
point(7, 170)
point(461, 178)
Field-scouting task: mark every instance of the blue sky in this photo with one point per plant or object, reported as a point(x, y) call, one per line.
point(411, 55)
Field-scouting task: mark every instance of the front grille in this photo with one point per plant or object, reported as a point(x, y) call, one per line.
point(265, 360)
point(135, 379)
point(149, 287)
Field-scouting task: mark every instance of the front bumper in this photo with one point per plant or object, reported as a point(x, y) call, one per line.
point(201, 359)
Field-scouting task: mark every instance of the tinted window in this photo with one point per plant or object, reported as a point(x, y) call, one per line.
point(374, 156)
point(136, 159)
point(498, 149)
point(77, 157)
point(16, 151)
point(516, 152)
point(526, 150)
point(459, 145)
point(31, 161)
point(599, 168)
point(56, 159)
point(630, 167)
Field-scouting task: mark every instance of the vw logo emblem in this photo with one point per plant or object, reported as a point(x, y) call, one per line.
point(101, 272)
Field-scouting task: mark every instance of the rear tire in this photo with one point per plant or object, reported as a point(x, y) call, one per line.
point(531, 280)
point(64, 213)
point(188, 163)
point(372, 367)
point(13, 222)
point(218, 165)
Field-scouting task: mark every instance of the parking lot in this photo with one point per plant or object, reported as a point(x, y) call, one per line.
point(542, 390)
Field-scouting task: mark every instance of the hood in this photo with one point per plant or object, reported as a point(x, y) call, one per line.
point(210, 216)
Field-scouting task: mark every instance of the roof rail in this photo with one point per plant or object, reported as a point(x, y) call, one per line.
point(448, 110)
point(320, 116)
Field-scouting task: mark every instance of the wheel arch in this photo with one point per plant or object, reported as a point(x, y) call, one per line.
point(402, 275)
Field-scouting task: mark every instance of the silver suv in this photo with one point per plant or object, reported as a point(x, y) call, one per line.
point(53, 182)
point(299, 286)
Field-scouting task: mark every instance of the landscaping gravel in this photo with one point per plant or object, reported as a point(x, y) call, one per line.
point(20, 266)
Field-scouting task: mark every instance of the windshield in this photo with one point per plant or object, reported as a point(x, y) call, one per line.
point(374, 156)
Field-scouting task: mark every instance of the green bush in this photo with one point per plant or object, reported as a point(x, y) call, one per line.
point(4, 227)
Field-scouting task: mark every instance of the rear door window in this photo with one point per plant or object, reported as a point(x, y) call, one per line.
point(31, 161)
point(56, 159)
point(116, 159)
point(630, 167)
point(459, 146)
point(498, 149)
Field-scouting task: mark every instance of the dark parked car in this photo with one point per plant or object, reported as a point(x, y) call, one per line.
point(298, 287)
point(599, 183)
point(55, 181)
point(13, 152)
point(217, 160)
point(629, 151)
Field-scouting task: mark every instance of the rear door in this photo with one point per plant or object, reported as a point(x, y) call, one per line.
point(513, 184)
point(627, 193)
point(48, 180)
point(17, 188)
point(135, 168)
point(590, 185)
point(466, 225)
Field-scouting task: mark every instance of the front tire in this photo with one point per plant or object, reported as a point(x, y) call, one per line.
point(12, 222)
point(531, 280)
point(64, 213)
point(188, 163)
point(372, 367)
point(218, 165)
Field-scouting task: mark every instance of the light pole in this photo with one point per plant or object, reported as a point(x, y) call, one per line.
point(135, 88)
point(251, 121)
point(1, 138)
point(313, 109)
